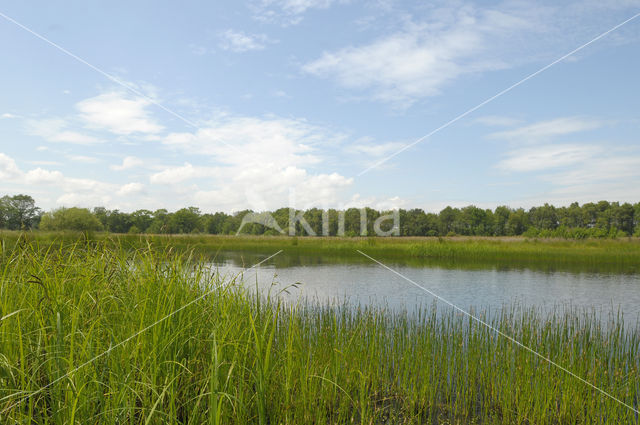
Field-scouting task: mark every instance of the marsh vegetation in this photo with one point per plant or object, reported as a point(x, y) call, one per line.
point(84, 339)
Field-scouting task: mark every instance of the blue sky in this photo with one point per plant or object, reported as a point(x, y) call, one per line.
point(270, 103)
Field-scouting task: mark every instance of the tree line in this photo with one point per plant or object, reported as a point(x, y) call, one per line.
point(601, 219)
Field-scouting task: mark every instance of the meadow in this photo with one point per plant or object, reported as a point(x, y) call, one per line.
point(88, 334)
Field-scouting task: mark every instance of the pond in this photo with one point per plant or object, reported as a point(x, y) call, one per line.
point(361, 282)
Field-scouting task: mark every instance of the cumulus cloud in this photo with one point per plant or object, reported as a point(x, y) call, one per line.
point(131, 189)
point(257, 161)
point(118, 113)
point(70, 191)
point(245, 140)
point(41, 176)
point(8, 167)
point(128, 163)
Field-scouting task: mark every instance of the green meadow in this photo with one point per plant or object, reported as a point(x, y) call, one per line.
point(134, 331)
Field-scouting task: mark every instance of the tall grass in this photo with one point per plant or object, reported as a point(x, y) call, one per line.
point(593, 255)
point(237, 358)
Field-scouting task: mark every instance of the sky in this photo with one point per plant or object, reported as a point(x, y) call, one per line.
point(262, 104)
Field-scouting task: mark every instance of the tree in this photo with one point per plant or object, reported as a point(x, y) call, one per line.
point(101, 214)
point(544, 217)
point(185, 220)
point(79, 219)
point(18, 212)
point(118, 222)
point(4, 217)
point(472, 221)
point(623, 218)
point(160, 222)
point(517, 223)
point(448, 218)
point(213, 223)
point(141, 220)
point(500, 219)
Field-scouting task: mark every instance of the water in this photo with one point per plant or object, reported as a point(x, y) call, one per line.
point(488, 290)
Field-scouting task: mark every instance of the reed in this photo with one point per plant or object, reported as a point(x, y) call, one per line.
point(236, 357)
point(593, 255)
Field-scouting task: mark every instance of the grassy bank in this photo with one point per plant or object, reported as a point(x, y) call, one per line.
point(232, 358)
point(610, 255)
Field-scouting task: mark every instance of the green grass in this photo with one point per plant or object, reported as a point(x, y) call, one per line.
point(592, 255)
point(234, 358)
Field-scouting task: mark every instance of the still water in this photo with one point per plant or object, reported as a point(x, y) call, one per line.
point(485, 289)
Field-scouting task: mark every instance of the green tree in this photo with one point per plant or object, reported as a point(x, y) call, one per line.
point(500, 219)
point(141, 219)
point(517, 223)
point(118, 222)
point(160, 222)
point(101, 214)
point(213, 223)
point(544, 217)
point(448, 218)
point(79, 219)
point(185, 220)
point(18, 212)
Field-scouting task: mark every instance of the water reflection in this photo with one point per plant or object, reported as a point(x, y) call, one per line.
point(323, 279)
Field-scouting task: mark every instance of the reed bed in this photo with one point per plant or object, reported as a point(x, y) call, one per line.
point(592, 255)
point(235, 357)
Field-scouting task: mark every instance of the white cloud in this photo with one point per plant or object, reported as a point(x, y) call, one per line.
point(8, 167)
point(55, 130)
point(369, 148)
point(244, 141)
point(272, 187)
point(544, 130)
point(83, 158)
point(547, 156)
point(575, 172)
point(8, 116)
point(128, 162)
point(54, 163)
point(118, 113)
point(387, 204)
point(288, 12)
point(85, 200)
point(41, 176)
point(131, 189)
point(421, 59)
point(257, 163)
point(73, 191)
point(601, 168)
point(174, 175)
point(238, 41)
